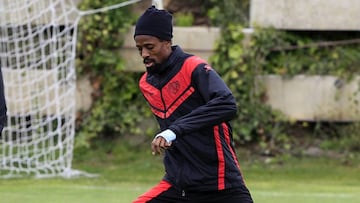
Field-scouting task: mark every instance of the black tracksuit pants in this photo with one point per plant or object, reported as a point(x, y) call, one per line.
point(166, 193)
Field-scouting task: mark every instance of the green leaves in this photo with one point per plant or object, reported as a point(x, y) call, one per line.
point(235, 52)
point(271, 51)
point(305, 53)
point(117, 106)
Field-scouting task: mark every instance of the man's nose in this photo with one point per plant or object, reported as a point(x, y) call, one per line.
point(144, 53)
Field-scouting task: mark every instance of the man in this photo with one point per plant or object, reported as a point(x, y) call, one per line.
point(193, 107)
point(3, 108)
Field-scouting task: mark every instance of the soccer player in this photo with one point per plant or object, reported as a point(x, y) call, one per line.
point(193, 107)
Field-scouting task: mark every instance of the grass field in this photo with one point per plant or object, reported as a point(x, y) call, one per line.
point(125, 173)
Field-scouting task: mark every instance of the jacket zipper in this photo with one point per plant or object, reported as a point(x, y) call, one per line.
point(165, 107)
point(178, 178)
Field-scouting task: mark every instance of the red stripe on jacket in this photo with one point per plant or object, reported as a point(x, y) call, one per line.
point(221, 159)
point(165, 101)
point(228, 142)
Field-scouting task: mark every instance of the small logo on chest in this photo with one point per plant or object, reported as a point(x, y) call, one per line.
point(207, 68)
point(173, 87)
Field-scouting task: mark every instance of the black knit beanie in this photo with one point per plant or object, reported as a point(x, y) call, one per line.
point(155, 22)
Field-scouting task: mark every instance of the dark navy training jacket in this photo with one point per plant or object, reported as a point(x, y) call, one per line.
point(187, 96)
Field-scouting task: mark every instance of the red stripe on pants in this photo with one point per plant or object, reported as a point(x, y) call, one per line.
point(153, 192)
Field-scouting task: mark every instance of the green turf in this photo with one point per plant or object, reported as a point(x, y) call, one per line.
point(69, 191)
point(125, 173)
point(94, 191)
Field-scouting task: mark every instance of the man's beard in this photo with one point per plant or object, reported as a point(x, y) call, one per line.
point(155, 68)
point(148, 60)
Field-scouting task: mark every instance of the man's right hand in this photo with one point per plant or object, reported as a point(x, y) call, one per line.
point(162, 141)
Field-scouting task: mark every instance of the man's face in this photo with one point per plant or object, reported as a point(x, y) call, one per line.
point(153, 50)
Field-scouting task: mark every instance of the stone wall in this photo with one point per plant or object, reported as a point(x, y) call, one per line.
point(306, 14)
point(300, 98)
point(197, 40)
point(313, 98)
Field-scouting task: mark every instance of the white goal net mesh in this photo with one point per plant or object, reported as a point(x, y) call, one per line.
point(37, 59)
point(37, 54)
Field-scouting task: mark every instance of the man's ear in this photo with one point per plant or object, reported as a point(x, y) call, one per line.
point(169, 44)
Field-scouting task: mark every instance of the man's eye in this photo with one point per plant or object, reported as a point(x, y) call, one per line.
point(150, 47)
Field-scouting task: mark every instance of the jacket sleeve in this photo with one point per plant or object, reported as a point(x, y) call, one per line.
point(220, 104)
point(3, 109)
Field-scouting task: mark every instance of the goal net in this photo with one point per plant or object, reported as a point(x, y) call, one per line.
point(37, 54)
point(37, 59)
